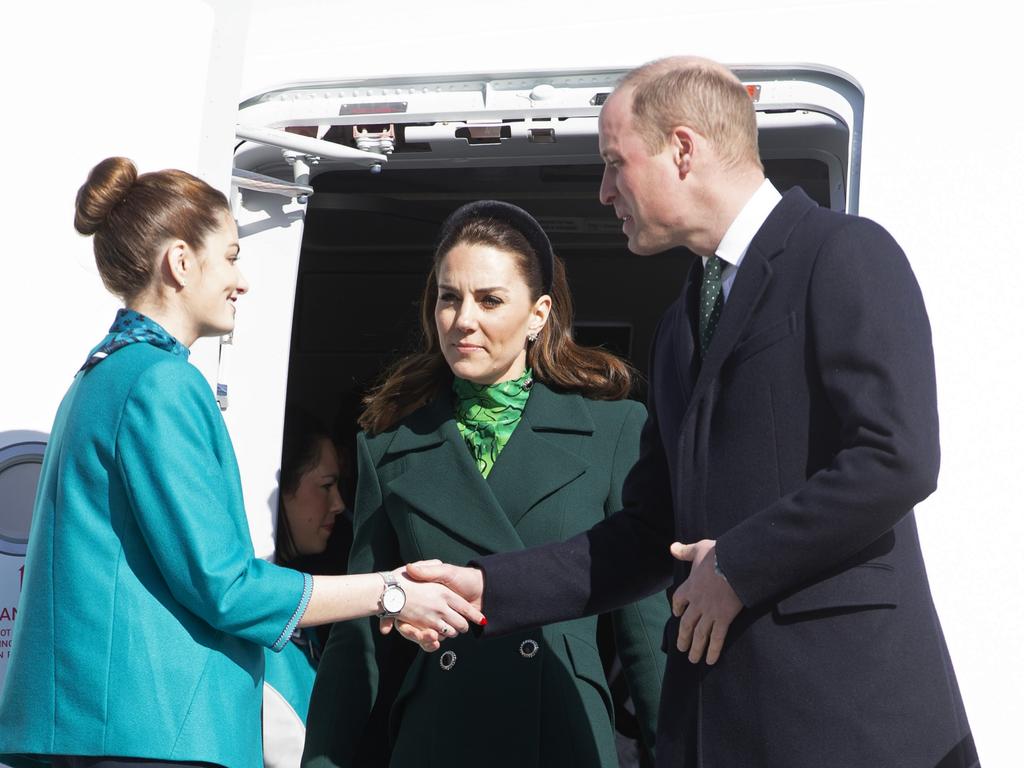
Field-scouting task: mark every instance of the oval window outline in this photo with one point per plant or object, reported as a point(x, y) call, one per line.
point(11, 456)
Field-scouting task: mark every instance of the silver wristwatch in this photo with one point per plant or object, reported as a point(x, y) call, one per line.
point(392, 599)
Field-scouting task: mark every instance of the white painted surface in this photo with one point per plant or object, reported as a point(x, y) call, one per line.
point(270, 228)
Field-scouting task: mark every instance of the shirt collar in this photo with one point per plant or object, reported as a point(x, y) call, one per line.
point(741, 232)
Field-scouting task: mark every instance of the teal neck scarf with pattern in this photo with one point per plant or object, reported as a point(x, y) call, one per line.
point(487, 414)
point(130, 327)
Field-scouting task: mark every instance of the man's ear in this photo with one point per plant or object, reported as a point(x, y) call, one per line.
point(684, 142)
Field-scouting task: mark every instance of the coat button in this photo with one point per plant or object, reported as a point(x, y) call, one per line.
point(448, 660)
point(528, 648)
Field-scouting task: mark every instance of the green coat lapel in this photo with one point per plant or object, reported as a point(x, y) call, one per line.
point(533, 465)
point(439, 479)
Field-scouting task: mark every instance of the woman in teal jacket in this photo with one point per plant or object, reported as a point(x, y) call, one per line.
point(501, 434)
point(144, 613)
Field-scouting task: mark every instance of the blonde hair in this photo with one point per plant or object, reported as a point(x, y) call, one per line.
point(701, 94)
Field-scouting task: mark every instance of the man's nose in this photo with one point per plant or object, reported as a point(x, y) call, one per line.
point(606, 193)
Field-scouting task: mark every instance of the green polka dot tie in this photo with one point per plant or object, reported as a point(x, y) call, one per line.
point(711, 300)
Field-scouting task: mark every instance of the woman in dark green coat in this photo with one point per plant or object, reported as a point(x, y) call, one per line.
point(501, 434)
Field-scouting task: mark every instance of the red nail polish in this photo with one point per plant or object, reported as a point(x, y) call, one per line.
point(483, 621)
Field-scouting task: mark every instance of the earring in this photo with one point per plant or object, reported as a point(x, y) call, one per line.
point(532, 337)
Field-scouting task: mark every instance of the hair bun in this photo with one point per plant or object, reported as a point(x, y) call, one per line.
point(108, 184)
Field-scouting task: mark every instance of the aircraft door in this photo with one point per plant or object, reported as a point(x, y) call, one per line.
point(253, 365)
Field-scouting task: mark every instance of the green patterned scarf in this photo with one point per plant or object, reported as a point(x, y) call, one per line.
point(487, 414)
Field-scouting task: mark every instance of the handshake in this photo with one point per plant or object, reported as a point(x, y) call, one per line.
point(440, 601)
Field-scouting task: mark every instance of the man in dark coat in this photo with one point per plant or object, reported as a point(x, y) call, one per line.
point(792, 428)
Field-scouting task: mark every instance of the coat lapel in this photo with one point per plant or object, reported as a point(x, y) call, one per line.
point(687, 359)
point(532, 466)
point(440, 480)
point(752, 279)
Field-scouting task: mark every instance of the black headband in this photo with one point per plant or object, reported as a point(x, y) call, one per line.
point(516, 218)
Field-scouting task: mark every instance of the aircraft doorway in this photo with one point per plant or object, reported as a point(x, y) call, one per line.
point(367, 248)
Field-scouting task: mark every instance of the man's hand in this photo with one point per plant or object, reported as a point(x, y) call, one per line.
point(705, 601)
point(467, 582)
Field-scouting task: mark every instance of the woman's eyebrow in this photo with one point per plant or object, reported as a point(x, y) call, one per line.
point(492, 289)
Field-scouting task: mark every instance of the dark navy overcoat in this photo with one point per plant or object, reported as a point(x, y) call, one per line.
point(801, 444)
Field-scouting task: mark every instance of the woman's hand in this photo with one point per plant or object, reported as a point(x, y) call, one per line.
point(432, 611)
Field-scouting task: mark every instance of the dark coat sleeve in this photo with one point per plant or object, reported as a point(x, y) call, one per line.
point(620, 560)
point(870, 337)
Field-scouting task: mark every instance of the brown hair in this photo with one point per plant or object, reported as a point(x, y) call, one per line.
point(699, 93)
point(300, 453)
point(131, 216)
point(555, 358)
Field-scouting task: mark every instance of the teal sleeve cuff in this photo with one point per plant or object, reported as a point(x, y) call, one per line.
point(300, 610)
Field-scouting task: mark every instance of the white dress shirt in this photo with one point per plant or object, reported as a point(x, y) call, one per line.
point(741, 232)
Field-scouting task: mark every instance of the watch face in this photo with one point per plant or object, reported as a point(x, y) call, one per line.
point(393, 599)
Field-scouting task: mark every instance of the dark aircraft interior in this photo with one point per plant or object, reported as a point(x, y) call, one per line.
point(368, 244)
